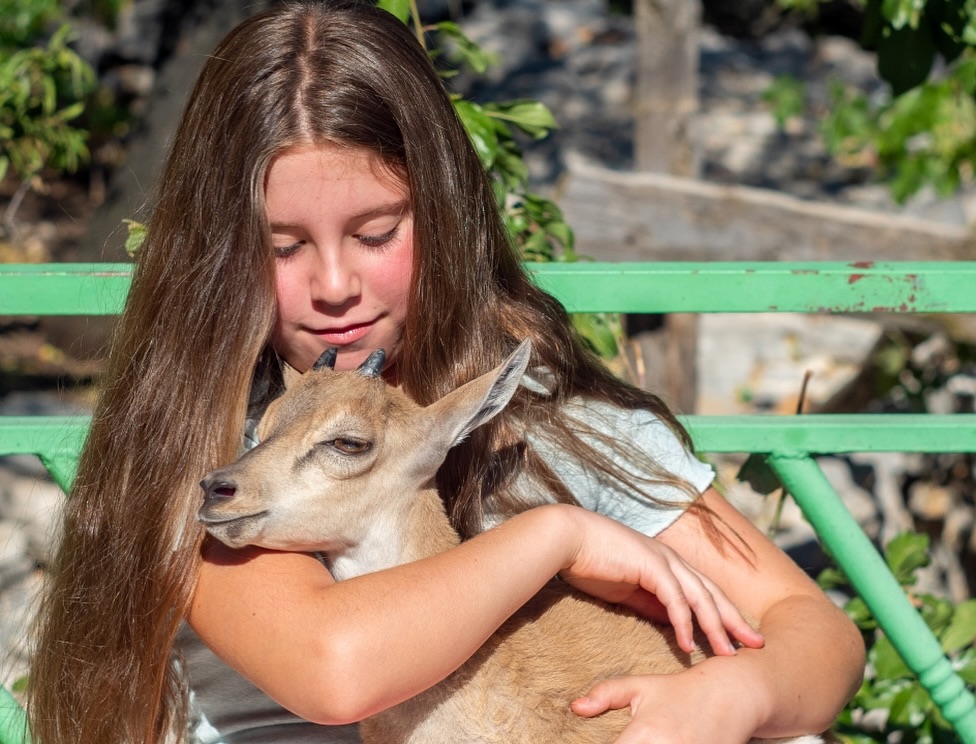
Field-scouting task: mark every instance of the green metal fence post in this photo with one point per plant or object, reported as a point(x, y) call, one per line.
point(874, 583)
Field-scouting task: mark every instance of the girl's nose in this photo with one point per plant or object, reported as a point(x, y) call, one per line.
point(335, 279)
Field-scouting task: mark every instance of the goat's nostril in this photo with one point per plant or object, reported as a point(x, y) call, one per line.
point(218, 490)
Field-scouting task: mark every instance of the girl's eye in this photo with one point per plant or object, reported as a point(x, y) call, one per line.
point(349, 446)
point(285, 251)
point(377, 241)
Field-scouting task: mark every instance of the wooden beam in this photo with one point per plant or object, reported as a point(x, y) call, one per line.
point(621, 216)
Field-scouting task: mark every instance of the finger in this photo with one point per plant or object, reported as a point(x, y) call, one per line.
point(669, 587)
point(614, 694)
point(610, 694)
point(686, 597)
point(729, 622)
point(716, 615)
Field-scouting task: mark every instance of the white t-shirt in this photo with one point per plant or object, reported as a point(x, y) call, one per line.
point(227, 709)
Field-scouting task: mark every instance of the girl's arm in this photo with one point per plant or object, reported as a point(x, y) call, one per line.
point(339, 652)
point(797, 683)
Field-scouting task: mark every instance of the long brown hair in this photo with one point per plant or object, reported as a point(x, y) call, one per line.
point(193, 341)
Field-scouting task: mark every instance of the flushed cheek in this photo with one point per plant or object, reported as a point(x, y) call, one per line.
point(396, 278)
point(285, 303)
point(284, 335)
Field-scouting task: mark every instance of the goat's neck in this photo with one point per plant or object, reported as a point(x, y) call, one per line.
point(394, 536)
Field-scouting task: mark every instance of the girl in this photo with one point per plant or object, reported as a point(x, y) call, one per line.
point(321, 192)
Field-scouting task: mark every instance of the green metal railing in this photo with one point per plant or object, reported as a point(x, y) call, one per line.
point(789, 443)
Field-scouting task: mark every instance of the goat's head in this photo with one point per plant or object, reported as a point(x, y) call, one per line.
point(340, 448)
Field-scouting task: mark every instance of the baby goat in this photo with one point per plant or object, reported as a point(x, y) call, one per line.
point(345, 467)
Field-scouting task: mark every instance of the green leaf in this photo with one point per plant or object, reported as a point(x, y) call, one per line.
point(902, 13)
point(905, 554)
point(760, 477)
point(135, 237)
point(969, 30)
point(480, 130)
point(71, 112)
point(886, 660)
point(936, 612)
point(466, 51)
point(961, 630)
point(786, 98)
point(905, 56)
point(399, 8)
point(965, 667)
point(910, 707)
point(859, 614)
point(596, 330)
point(532, 117)
point(880, 693)
point(564, 234)
point(831, 578)
point(948, 21)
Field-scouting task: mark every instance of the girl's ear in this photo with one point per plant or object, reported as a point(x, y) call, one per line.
point(457, 414)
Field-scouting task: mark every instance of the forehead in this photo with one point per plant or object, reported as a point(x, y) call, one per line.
point(332, 175)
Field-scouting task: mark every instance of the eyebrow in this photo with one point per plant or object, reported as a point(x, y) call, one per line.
point(401, 206)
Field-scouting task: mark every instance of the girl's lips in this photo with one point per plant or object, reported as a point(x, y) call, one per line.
point(345, 335)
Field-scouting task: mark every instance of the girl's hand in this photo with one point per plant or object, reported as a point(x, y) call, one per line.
point(669, 709)
point(620, 565)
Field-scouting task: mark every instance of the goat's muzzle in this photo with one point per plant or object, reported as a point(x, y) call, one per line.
point(217, 489)
point(218, 492)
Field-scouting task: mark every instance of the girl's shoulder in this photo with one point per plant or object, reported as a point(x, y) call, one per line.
point(662, 476)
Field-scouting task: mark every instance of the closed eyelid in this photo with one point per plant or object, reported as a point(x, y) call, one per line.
point(382, 237)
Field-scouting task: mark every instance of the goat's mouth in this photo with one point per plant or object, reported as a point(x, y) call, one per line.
point(236, 530)
point(218, 520)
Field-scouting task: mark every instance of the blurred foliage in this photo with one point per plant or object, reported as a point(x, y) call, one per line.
point(923, 131)
point(889, 686)
point(43, 85)
point(536, 224)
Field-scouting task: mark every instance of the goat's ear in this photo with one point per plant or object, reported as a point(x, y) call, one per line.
point(459, 413)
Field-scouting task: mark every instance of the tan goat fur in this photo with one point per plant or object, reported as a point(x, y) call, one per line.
point(345, 468)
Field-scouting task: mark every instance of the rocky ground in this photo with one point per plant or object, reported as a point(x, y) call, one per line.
point(579, 60)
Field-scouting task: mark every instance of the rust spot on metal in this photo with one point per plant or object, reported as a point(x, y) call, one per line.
point(854, 278)
point(863, 264)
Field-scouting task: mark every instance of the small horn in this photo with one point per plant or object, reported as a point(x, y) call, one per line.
point(373, 365)
point(328, 359)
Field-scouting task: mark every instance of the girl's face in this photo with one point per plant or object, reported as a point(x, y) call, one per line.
point(342, 230)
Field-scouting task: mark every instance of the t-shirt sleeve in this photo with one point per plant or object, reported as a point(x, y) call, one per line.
point(645, 433)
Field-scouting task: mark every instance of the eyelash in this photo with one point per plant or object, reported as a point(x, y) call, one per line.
point(289, 250)
point(368, 241)
point(378, 241)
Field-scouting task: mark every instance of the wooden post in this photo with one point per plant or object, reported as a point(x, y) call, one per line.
point(666, 98)
point(666, 94)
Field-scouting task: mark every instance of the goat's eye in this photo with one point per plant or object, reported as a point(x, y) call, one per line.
point(349, 446)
